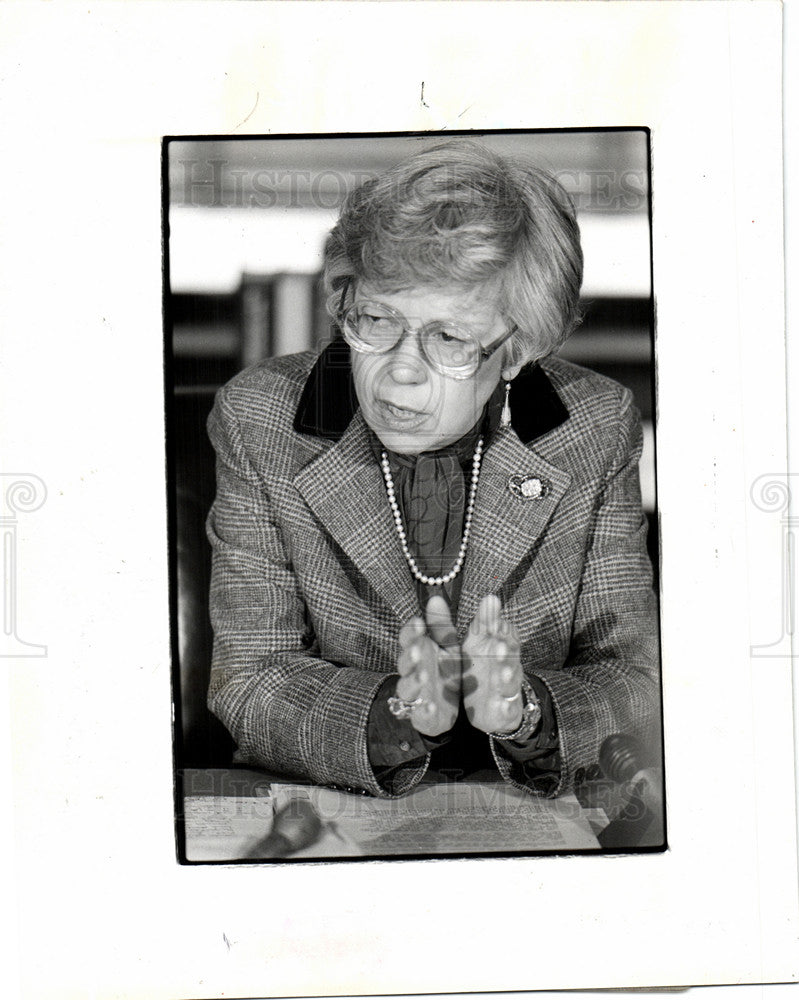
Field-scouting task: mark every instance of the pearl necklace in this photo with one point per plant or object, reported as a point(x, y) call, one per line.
point(434, 581)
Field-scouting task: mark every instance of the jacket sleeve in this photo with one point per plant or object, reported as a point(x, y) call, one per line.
point(288, 710)
point(610, 680)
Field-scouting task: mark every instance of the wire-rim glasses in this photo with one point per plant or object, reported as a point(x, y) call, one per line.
point(375, 328)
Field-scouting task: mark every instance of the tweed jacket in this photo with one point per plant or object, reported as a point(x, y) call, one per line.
point(310, 587)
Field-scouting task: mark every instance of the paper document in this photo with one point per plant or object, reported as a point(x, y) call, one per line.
point(456, 818)
point(224, 828)
point(441, 819)
point(229, 828)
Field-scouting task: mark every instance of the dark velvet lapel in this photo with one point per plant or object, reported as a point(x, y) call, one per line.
point(328, 402)
point(535, 406)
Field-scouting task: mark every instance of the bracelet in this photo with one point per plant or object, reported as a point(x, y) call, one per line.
point(531, 717)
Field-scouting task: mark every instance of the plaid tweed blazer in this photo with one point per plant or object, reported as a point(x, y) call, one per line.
point(310, 587)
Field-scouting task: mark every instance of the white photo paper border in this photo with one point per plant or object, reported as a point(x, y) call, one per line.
point(105, 910)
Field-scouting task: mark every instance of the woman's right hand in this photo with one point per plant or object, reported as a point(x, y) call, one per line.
point(429, 665)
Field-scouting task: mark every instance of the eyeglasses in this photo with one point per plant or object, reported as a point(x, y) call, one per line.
point(375, 328)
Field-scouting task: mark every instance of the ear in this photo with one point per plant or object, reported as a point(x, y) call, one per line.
point(511, 371)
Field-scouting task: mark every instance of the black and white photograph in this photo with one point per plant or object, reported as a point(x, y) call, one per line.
point(413, 475)
point(398, 505)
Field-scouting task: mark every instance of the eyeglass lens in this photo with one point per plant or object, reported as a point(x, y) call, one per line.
point(444, 344)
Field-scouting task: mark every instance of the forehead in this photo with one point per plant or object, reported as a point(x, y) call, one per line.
point(477, 306)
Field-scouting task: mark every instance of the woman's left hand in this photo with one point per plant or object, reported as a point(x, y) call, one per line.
point(492, 671)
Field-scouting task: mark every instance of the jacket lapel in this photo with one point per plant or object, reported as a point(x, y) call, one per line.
point(344, 488)
point(505, 526)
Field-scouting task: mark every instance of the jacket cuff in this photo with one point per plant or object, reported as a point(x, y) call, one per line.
point(396, 750)
point(533, 764)
point(390, 741)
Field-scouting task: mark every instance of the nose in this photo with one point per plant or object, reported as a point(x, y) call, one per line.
point(405, 362)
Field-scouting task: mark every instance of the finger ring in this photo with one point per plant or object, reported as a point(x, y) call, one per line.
point(513, 697)
point(402, 709)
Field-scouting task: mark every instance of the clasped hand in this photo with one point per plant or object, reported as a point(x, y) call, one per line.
point(436, 672)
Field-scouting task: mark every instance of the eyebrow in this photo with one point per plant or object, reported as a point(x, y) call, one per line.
point(464, 324)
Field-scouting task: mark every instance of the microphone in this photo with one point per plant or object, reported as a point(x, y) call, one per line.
point(294, 827)
point(624, 759)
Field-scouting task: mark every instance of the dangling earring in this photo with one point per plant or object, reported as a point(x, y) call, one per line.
point(504, 420)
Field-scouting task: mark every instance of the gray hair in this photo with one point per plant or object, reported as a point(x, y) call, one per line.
point(458, 214)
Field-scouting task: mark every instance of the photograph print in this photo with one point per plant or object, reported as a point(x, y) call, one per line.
point(413, 523)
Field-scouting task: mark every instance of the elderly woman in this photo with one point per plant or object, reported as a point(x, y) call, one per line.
point(429, 549)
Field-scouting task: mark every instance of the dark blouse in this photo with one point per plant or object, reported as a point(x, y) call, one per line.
point(432, 490)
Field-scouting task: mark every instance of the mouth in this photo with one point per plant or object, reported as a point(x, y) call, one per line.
point(398, 415)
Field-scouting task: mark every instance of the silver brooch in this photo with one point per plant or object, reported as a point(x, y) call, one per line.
point(528, 487)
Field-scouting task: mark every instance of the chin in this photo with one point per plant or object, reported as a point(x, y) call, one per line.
point(412, 442)
point(403, 444)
